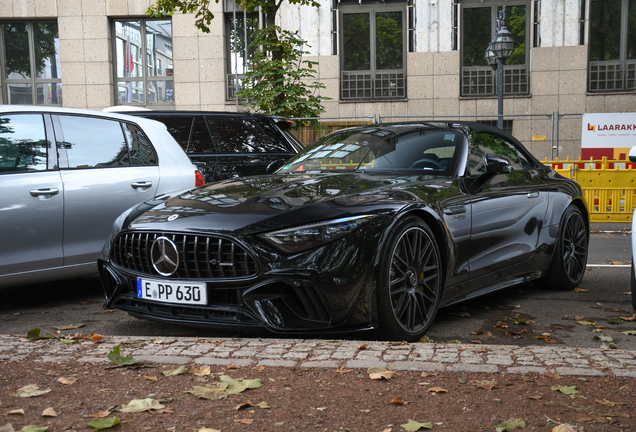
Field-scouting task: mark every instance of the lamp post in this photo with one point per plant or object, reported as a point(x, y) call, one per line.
point(499, 50)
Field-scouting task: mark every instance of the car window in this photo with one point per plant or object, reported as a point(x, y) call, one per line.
point(242, 135)
point(425, 150)
point(280, 146)
point(141, 150)
point(22, 143)
point(200, 142)
point(178, 126)
point(93, 142)
point(485, 143)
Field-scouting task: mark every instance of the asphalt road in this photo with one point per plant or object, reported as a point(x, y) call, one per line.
point(522, 315)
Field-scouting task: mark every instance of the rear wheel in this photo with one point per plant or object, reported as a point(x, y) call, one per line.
point(570, 254)
point(409, 281)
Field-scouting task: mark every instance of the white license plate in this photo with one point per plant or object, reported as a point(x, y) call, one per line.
point(172, 291)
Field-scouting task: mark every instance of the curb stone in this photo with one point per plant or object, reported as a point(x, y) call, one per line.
point(316, 353)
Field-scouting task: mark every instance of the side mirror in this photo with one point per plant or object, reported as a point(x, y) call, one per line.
point(497, 165)
point(632, 154)
point(275, 165)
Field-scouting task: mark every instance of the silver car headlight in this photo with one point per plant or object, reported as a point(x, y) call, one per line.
point(305, 237)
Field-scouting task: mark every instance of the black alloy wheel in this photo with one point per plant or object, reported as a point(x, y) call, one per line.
point(570, 254)
point(410, 279)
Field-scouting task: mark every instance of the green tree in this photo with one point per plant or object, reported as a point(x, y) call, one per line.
point(278, 80)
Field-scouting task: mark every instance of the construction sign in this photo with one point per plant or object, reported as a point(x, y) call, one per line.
point(610, 134)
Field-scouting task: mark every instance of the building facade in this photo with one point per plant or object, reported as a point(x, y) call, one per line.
point(397, 59)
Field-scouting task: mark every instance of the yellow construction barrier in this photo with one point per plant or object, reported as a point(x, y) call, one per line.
point(609, 186)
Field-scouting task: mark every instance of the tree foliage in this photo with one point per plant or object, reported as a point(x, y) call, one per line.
point(277, 82)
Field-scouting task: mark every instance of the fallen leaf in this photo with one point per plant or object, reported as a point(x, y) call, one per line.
point(119, 360)
point(511, 424)
point(437, 390)
point(566, 390)
point(579, 290)
point(552, 375)
point(343, 371)
point(629, 318)
point(586, 322)
point(141, 405)
point(67, 381)
point(99, 424)
point(16, 412)
point(248, 404)
point(564, 428)
point(536, 397)
point(486, 385)
point(629, 332)
point(204, 371)
point(386, 374)
point(165, 411)
point(96, 338)
point(605, 402)
point(233, 366)
point(34, 428)
point(178, 371)
point(68, 327)
point(31, 390)
point(244, 421)
point(363, 347)
point(49, 412)
point(413, 426)
point(100, 414)
point(150, 378)
point(397, 400)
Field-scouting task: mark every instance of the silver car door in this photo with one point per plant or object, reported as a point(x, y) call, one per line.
point(110, 166)
point(31, 201)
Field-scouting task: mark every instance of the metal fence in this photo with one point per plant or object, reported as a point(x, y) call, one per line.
point(544, 135)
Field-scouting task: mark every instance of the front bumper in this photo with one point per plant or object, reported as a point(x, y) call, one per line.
point(327, 288)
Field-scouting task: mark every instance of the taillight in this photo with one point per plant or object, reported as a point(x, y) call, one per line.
point(199, 180)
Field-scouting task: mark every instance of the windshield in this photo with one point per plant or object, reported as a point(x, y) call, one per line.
point(418, 148)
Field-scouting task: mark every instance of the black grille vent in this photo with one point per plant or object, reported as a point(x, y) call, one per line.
point(200, 257)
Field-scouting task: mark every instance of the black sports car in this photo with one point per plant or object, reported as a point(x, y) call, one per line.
point(369, 227)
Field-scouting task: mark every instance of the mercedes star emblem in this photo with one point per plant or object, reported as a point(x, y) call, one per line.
point(165, 256)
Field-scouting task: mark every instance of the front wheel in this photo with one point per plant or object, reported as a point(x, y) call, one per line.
point(570, 252)
point(409, 281)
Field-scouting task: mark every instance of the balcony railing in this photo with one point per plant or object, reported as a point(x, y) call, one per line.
point(482, 80)
point(615, 75)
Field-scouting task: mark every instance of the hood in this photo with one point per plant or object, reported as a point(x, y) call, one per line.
point(265, 203)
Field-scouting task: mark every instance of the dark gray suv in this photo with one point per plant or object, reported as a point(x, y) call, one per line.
point(226, 145)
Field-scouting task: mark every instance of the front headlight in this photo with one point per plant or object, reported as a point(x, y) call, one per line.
point(306, 237)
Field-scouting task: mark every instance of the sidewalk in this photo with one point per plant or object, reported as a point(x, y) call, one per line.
point(334, 354)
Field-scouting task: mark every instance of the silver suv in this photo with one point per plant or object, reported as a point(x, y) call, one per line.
point(66, 175)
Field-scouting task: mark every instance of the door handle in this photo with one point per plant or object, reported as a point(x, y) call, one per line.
point(141, 185)
point(533, 194)
point(44, 191)
point(453, 210)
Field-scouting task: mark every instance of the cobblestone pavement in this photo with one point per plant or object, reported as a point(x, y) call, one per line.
point(317, 353)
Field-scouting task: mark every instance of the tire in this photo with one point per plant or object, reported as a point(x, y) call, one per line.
point(409, 281)
point(570, 252)
point(633, 287)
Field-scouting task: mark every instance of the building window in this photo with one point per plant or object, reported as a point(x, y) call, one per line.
point(144, 62)
point(373, 42)
point(240, 27)
point(612, 45)
point(31, 63)
point(478, 29)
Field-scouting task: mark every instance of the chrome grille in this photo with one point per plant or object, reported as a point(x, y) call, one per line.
point(201, 257)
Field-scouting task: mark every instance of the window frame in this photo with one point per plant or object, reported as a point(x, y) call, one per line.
point(516, 77)
point(606, 71)
point(371, 76)
point(34, 81)
point(144, 65)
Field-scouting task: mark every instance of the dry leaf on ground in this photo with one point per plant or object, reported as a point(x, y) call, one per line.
point(67, 381)
point(437, 390)
point(49, 412)
point(397, 400)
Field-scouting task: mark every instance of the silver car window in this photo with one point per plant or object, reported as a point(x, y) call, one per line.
point(22, 143)
point(94, 142)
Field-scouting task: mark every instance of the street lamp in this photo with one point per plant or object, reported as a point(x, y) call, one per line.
point(499, 50)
